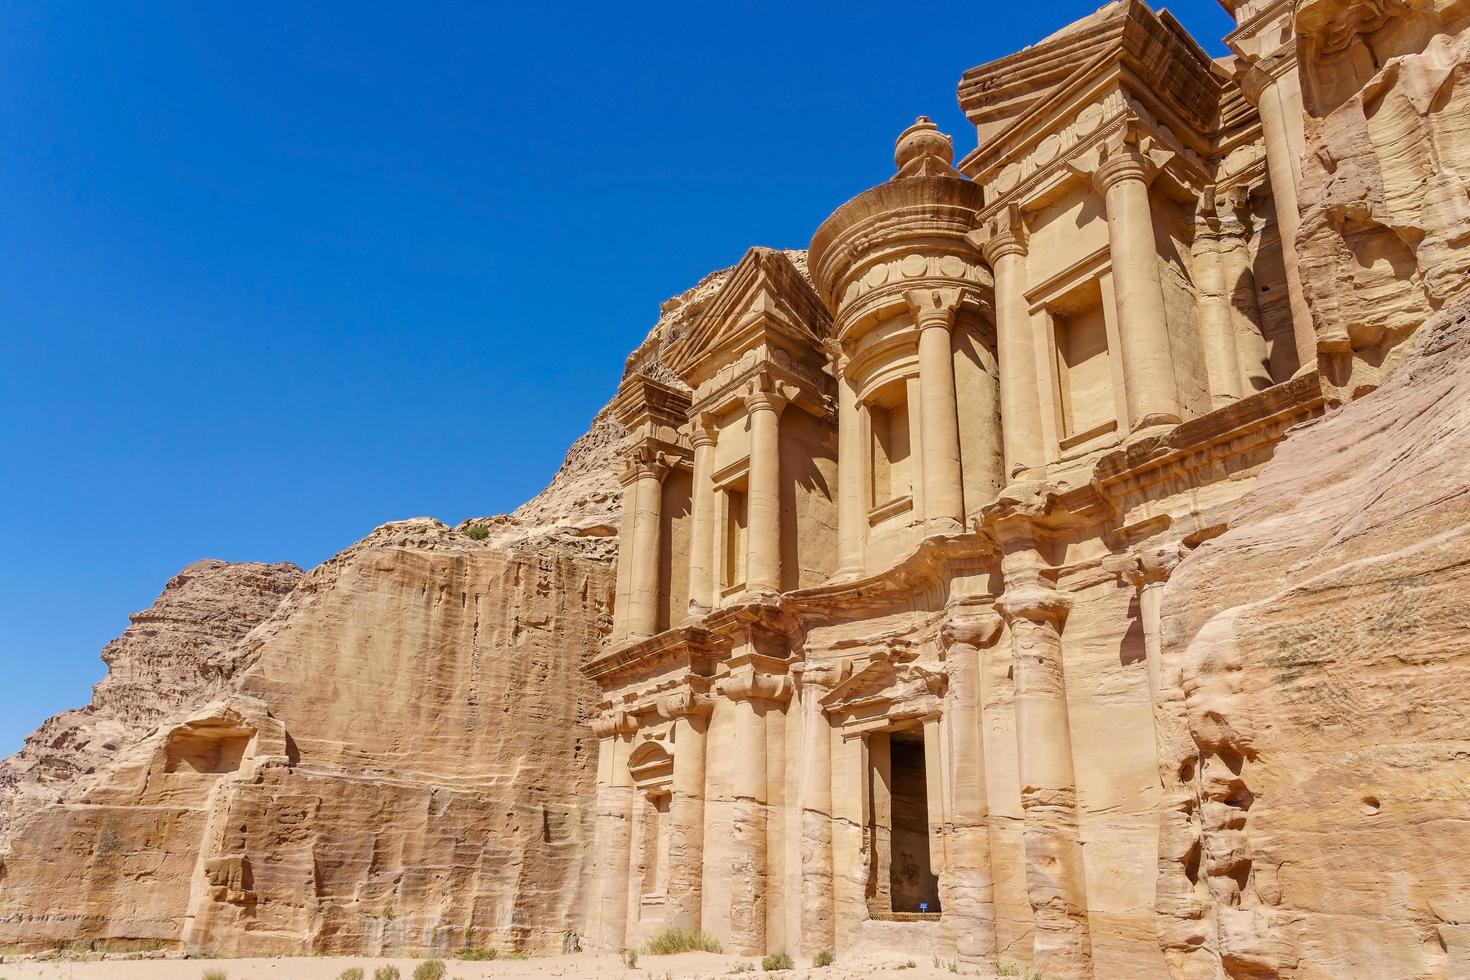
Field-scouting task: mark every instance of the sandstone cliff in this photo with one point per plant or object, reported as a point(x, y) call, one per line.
point(1319, 648)
point(174, 654)
point(395, 755)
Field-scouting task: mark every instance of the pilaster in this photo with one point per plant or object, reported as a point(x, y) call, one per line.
point(934, 313)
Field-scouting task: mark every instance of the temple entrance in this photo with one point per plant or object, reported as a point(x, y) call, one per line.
point(901, 882)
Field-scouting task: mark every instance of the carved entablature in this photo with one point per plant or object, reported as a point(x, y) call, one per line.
point(653, 413)
point(1263, 31)
point(885, 689)
point(765, 320)
point(1125, 68)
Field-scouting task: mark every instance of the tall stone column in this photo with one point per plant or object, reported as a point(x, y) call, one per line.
point(607, 914)
point(852, 510)
point(815, 679)
point(1263, 87)
point(1148, 571)
point(1035, 610)
point(628, 480)
point(1004, 248)
point(937, 805)
point(1217, 325)
point(1123, 180)
point(754, 695)
point(643, 591)
point(763, 492)
point(972, 888)
point(944, 494)
point(689, 711)
point(702, 521)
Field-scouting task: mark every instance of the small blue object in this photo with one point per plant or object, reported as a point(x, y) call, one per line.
point(923, 906)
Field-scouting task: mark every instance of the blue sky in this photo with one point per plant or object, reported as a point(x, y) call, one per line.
point(275, 274)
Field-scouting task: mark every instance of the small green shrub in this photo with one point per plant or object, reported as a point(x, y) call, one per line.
point(630, 958)
point(386, 973)
point(777, 961)
point(477, 532)
point(672, 941)
point(475, 955)
point(351, 973)
point(214, 975)
point(1008, 970)
point(744, 968)
point(824, 958)
point(429, 970)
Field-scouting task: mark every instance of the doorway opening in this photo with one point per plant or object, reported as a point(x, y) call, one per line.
point(902, 882)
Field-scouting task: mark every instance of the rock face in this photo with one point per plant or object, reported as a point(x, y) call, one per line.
point(173, 655)
point(1320, 647)
point(391, 752)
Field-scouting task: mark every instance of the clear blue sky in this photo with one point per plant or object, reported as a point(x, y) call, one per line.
point(273, 274)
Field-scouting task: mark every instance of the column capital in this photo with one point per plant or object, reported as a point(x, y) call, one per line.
point(1129, 154)
point(1142, 567)
point(611, 724)
point(765, 392)
point(703, 431)
point(972, 626)
point(685, 703)
point(749, 684)
point(935, 307)
point(1035, 603)
point(820, 676)
point(643, 460)
point(1003, 235)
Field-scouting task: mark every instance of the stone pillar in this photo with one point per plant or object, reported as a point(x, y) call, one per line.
point(972, 887)
point(1148, 571)
point(1252, 356)
point(1020, 407)
point(818, 927)
point(643, 590)
point(1123, 180)
point(936, 786)
point(754, 695)
point(607, 915)
point(1264, 89)
point(689, 711)
point(703, 506)
point(1217, 324)
point(1035, 610)
point(944, 495)
point(763, 492)
point(852, 469)
point(628, 479)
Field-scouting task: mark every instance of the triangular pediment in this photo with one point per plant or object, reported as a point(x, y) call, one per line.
point(765, 300)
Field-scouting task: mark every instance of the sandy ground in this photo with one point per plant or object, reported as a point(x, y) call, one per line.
point(686, 966)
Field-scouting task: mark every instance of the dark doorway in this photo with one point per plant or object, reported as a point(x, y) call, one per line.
point(912, 881)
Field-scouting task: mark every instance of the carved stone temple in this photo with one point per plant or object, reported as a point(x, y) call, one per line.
point(885, 666)
point(1061, 562)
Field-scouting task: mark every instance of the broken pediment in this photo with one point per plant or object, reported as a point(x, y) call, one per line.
point(766, 303)
point(884, 691)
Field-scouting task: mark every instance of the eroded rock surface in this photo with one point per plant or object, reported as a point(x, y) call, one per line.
point(1320, 646)
point(173, 654)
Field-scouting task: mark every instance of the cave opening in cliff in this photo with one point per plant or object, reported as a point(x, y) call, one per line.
point(901, 879)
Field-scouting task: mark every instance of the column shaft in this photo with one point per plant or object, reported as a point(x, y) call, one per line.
point(1055, 881)
point(1020, 408)
point(748, 873)
point(1252, 356)
point(643, 590)
point(607, 917)
point(625, 555)
point(818, 930)
point(686, 824)
point(1284, 168)
point(1217, 325)
point(1148, 361)
point(944, 495)
point(973, 888)
point(852, 510)
point(702, 527)
point(763, 494)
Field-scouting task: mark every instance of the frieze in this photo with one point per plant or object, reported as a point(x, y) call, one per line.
point(911, 267)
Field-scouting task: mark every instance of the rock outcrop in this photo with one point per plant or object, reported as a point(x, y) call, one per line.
point(174, 654)
point(391, 752)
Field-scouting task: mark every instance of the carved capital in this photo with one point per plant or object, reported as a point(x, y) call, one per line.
point(1004, 235)
point(687, 703)
point(749, 684)
point(611, 724)
point(935, 307)
point(1035, 603)
point(1142, 567)
point(972, 627)
point(820, 676)
point(767, 394)
point(644, 460)
point(1129, 154)
point(703, 431)
point(1026, 500)
point(1333, 25)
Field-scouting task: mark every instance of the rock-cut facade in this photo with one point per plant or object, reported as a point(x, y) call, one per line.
point(1061, 561)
